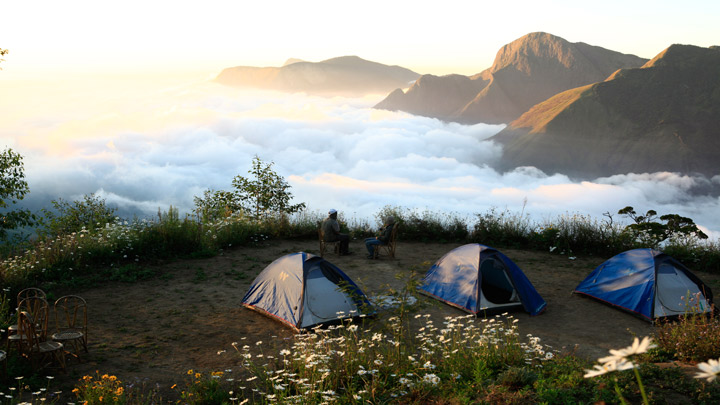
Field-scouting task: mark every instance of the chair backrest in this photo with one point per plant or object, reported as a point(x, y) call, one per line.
point(393, 235)
point(71, 313)
point(31, 292)
point(39, 311)
point(26, 328)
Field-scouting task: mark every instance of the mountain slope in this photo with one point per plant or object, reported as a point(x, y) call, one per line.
point(347, 75)
point(664, 116)
point(525, 72)
point(448, 94)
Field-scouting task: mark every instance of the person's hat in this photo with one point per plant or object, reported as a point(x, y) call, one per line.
point(332, 211)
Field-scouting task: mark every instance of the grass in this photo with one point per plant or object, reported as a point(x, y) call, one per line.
point(407, 357)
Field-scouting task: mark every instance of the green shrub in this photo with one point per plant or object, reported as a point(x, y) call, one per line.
point(504, 228)
point(516, 377)
point(426, 226)
point(89, 213)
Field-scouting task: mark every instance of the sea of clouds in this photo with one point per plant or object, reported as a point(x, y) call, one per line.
point(144, 149)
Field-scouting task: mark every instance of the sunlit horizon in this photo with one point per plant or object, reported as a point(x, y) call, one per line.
point(121, 102)
point(454, 36)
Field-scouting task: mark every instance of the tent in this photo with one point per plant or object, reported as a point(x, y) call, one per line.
point(304, 291)
point(479, 279)
point(649, 284)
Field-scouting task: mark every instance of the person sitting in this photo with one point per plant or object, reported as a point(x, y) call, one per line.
point(331, 232)
point(382, 239)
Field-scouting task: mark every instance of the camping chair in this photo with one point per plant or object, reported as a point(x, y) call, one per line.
point(39, 311)
point(324, 245)
point(31, 292)
point(35, 347)
point(71, 323)
point(390, 246)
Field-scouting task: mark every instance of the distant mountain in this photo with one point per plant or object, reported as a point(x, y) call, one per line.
point(525, 72)
point(347, 75)
point(664, 116)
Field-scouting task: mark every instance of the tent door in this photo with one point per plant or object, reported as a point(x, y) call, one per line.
point(323, 300)
point(672, 291)
point(496, 288)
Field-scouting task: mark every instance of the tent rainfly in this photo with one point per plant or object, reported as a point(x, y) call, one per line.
point(648, 283)
point(481, 280)
point(304, 291)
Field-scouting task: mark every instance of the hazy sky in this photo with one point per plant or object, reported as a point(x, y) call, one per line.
point(145, 143)
point(438, 37)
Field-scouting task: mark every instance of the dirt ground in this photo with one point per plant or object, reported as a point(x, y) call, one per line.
point(190, 314)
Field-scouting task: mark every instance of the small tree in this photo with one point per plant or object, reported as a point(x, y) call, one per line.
point(258, 195)
point(648, 231)
point(265, 191)
point(90, 213)
point(13, 188)
point(217, 204)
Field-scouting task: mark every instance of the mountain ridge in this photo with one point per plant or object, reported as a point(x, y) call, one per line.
point(662, 116)
point(344, 75)
point(524, 72)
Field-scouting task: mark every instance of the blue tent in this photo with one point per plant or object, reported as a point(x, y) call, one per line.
point(303, 291)
point(479, 279)
point(649, 284)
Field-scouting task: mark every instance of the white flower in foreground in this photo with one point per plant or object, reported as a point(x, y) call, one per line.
point(638, 347)
point(608, 367)
point(710, 370)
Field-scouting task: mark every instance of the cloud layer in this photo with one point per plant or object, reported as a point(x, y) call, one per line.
point(145, 150)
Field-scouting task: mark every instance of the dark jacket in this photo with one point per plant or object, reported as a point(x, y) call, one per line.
point(330, 229)
point(385, 233)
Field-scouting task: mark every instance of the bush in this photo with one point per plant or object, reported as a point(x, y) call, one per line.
point(693, 337)
point(426, 226)
point(502, 229)
point(89, 213)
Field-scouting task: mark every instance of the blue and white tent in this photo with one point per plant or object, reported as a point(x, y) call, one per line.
point(481, 280)
point(303, 291)
point(647, 283)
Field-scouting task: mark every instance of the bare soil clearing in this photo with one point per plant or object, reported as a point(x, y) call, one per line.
point(189, 316)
